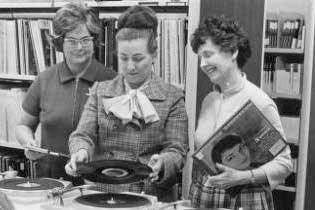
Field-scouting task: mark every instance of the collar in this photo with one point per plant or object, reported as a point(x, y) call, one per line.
point(233, 89)
point(66, 75)
point(154, 89)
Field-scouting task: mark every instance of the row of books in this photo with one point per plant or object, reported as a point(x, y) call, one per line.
point(26, 48)
point(282, 78)
point(285, 30)
point(10, 112)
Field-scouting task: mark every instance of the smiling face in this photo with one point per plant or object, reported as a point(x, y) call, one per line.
point(79, 52)
point(237, 157)
point(134, 60)
point(217, 65)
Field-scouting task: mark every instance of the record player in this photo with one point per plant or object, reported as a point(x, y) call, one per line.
point(52, 194)
point(28, 191)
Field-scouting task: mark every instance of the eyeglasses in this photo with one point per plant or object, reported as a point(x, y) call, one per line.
point(84, 42)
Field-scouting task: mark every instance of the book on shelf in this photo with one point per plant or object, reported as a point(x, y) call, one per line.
point(4, 95)
point(245, 140)
point(288, 80)
point(291, 128)
point(282, 77)
point(12, 49)
point(13, 112)
point(285, 30)
point(271, 31)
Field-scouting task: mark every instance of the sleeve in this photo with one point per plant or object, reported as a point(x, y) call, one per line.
point(31, 102)
point(281, 166)
point(175, 147)
point(85, 135)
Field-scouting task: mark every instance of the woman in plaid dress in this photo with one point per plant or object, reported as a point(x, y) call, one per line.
point(223, 49)
point(136, 116)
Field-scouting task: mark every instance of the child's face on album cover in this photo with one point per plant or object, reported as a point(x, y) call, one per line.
point(237, 157)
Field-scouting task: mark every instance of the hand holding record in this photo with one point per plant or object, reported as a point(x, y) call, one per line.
point(78, 157)
point(114, 171)
point(156, 164)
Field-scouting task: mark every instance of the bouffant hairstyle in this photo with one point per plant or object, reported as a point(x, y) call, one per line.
point(225, 33)
point(138, 22)
point(227, 142)
point(67, 18)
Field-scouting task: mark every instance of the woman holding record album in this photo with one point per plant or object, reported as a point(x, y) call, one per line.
point(223, 49)
point(136, 116)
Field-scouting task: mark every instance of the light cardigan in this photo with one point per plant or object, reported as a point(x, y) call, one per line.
point(218, 107)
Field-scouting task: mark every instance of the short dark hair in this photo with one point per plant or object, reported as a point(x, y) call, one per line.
point(71, 15)
point(225, 33)
point(138, 22)
point(227, 142)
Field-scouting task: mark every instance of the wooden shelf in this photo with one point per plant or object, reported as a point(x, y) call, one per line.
point(3, 143)
point(293, 141)
point(284, 50)
point(17, 78)
point(41, 9)
point(283, 95)
point(285, 188)
point(57, 4)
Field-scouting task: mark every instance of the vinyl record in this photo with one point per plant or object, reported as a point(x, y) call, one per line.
point(25, 184)
point(113, 200)
point(114, 171)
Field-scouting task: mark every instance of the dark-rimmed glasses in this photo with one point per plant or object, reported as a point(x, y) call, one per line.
point(84, 42)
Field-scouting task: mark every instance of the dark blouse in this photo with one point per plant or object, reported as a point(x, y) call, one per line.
point(57, 98)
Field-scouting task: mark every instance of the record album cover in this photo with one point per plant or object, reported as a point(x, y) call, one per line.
point(245, 141)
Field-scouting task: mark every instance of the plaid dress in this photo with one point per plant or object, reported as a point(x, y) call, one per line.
point(249, 197)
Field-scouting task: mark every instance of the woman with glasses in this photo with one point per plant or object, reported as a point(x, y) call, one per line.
point(136, 116)
point(57, 96)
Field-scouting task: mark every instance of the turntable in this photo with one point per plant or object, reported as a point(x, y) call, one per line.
point(27, 191)
point(94, 200)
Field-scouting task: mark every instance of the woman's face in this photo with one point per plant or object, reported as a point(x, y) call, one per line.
point(78, 45)
point(217, 65)
point(237, 157)
point(134, 60)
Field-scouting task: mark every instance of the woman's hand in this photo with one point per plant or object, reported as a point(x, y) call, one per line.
point(79, 156)
point(156, 163)
point(32, 155)
point(229, 177)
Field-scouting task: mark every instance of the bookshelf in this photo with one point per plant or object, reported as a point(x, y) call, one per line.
point(300, 123)
point(3, 143)
point(278, 80)
point(282, 78)
point(21, 78)
point(283, 50)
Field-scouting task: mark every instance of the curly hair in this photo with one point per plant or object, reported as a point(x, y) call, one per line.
point(225, 33)
point(138, 22)
point(67, 18)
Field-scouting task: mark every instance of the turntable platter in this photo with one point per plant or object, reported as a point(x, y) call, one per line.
point(28, 191)
point(113, 200)
point(24, 184)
